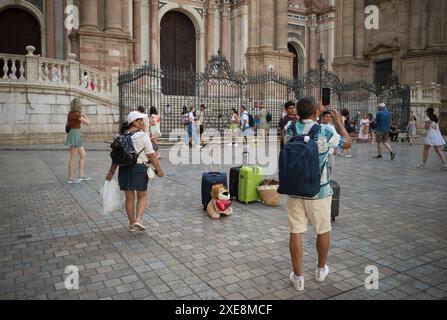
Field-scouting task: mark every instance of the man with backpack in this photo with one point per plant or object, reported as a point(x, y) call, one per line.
point(307, 182)
point(246, 124)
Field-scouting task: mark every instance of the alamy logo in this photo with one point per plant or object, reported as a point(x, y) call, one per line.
point(372, 20)
point(72, 280)
point(372, 280)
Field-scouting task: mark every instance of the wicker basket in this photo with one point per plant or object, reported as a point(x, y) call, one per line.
point(269, 195)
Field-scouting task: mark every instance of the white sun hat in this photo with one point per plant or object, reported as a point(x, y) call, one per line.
point(135, 115)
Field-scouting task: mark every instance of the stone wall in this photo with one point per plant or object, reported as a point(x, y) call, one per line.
point(37, 115)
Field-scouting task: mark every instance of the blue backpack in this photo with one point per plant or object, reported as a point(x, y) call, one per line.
point(299, 165)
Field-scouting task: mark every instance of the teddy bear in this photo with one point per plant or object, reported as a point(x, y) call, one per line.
point(220, 202)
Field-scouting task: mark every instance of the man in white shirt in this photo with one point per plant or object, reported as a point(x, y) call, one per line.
point(245, 124)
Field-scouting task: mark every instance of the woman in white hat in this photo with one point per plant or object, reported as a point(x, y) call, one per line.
point(134, 179)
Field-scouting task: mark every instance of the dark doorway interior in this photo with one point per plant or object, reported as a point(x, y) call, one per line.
point(383, 70)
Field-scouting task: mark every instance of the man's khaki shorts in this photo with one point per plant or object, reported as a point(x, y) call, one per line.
point(382, 137)
point(317, 211)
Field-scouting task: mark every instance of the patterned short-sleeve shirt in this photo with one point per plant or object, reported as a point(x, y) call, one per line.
point(328, 138)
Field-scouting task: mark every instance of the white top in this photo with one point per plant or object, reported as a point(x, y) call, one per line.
point(191, 117)
point(141, 141)
point(434, 137)
point(245, 119)
point(199, 117)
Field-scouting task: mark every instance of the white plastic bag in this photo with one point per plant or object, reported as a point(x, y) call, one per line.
point(111, 197)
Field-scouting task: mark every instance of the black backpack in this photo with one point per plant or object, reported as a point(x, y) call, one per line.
point(269, 117)
point(251, 121)
point(123, 152)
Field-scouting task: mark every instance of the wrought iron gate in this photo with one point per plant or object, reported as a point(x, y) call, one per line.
point(220, 89)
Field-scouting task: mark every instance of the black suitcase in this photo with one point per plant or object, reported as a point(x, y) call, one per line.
point(209, 179)
point(234, 182)
point(335, 208)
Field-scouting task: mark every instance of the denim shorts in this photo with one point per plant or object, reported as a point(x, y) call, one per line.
point(133, 178)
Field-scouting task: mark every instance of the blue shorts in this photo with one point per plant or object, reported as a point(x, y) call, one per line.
point(257, 122)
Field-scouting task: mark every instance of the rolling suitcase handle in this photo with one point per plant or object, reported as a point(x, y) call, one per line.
point(254, 166)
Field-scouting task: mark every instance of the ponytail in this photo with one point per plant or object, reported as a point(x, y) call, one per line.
point(124, 127)
point(431, 114)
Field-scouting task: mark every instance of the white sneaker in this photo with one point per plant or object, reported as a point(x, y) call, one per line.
point(230, 144)
point(298, 282)
point(74, 181)
point(444, 167)
point(348, 156)
point(320, 275)
point(85, 178)
point(421, 165)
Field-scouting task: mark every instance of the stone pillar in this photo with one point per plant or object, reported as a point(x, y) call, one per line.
point(113, 16)
point(49, 19)
point(137, 31)
point(253, 24)
point(267, 24)
point(225, 12)
point(281, 24)
point(434, 22)
point(155, 33)
point(359, 28)
point(125, 15)
point(414, 33)
point(88, 15)
point(348, 29)
point(313, 54)
point(210, 30)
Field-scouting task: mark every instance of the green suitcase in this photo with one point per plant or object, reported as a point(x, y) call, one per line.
point(249, 178)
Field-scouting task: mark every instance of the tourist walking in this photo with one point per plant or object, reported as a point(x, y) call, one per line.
point(154, 129)
point(317, 209)
point(245, 124)
point(133, 180)
point(263, 121)
point(257, 117)
point(372, 127)
point(290, 115)
point(234, 126)
point(350, 128)
point(433, 139)
point(364, 129)
point(74, 120)
point(187, 121)
point(200, 117)
point(412, 128)
point(383, 120)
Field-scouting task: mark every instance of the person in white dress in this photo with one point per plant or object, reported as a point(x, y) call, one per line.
point(364, 129)
point(433, 139)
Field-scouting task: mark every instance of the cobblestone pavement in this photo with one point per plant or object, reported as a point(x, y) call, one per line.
point(393, 216)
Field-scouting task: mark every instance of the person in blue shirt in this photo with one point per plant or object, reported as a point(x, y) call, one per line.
point(383, 121)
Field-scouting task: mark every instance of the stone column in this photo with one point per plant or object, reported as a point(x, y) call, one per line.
point(225, 12)
point(359, 28)
point(281, 24)
point(210, 30)
point(253, 24)
point(155, 33)
point(267, 24)
point(434, 22)
point(88, 15)
point(313, 54)
point(348, 28)
point(113, 16)
point(125, 15)
point(137, 31)
point(49, 19)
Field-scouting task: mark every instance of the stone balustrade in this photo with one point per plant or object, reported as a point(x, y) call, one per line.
point(37, 70)
point(426, 95)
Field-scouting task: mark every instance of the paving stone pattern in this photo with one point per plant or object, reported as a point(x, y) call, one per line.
point(393, 216)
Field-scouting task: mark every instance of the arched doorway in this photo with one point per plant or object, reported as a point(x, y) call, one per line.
point(177, 41)
point(177, 53)
point(18, 29)
point(298, 60)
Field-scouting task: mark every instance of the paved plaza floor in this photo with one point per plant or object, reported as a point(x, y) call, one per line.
point(393, 216)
